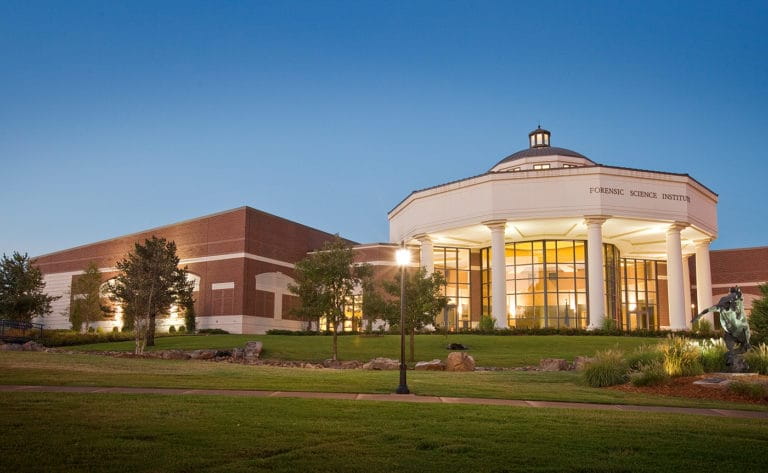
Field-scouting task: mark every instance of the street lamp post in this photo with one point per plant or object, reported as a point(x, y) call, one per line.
point(403, 258)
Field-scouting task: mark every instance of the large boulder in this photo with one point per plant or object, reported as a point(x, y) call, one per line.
point(554, 364)
point(459, 361)
point(382, 364)
point(434, 365)
point(252, 351)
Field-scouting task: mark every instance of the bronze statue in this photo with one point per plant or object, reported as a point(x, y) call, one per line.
point(734, 323)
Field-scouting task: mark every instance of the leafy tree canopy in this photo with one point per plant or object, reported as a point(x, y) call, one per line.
point(85, 307)
point(325, 281)
point(423, 300)
point(150, 280)
point(22, 295)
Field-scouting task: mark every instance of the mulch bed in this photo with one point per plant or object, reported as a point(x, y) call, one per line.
point(684, 387)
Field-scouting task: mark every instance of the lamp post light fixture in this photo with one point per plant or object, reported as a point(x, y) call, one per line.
point(403, 257)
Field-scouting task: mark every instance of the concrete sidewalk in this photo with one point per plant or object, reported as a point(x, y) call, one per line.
point(388, 398)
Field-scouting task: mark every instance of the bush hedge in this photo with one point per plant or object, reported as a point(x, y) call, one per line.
point(68, 338)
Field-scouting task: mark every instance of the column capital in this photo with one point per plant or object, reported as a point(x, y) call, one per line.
point(423, 238)
point(677, 227)
point(702, 242)
point(595, 219)
point(495, 224)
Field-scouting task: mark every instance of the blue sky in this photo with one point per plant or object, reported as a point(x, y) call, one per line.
point(120, 116)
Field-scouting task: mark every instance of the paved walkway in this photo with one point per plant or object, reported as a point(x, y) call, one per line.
point(388, 397)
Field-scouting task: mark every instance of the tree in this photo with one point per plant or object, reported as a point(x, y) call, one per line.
point(423, 301)
point(375, 305)
point(758, 319)
point(325, 281)
point(22, 295)
point(187, 303)
point(85, 307)
point(150, 280)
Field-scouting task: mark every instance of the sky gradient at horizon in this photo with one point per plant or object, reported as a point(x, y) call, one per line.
point(117, 117)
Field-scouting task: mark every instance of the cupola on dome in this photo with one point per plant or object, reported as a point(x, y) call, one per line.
point(541, 155)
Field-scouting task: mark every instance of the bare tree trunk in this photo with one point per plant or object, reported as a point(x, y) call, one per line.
point(413, 344)
point(335, 345)
point(151, 331)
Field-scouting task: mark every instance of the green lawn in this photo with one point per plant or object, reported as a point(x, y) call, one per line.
point(29, 368)
point(502, 351)
point(149, 433)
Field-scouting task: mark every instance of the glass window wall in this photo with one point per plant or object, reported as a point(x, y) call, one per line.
point(639, 300)
point(454, 264)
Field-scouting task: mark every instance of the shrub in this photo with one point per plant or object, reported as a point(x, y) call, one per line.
point(644, 355)
point(714, 355)
point(609, 325)
point(681, 357)
point(702, 327)
point(758, 319)
point(213, 331)
point(751, 390)
point(652, 374)
point(172, 329)
point(115, 329)
point(182, 329)
point(607, 369)
point(69, 338)
point(757, 358)
point(486, 325)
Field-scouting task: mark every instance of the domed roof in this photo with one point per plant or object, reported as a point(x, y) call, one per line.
point(542, 151)
point(539, 147)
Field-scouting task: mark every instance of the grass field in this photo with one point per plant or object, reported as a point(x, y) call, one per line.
point(501, 351)
point(29, 368)
point(119, 433)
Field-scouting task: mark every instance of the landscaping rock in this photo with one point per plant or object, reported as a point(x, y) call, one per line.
point(580, 362)
point(238, 354)
point(382, 364)
point(11, 347)
point(554, 364)
point(459, 361)
point(175, 355)
point(434, 365)
point(32, 346)
point(456, 346)
point(252, 351)
point(203, 354)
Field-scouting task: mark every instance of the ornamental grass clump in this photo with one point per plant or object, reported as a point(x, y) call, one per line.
point(714, 355)
point(751, 390)
point(757, 358)
point(652, 374)
point(681, 357)
point(609, 368)
point(644, 355)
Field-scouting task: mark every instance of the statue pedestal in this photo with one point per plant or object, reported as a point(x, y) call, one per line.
point(737, 364)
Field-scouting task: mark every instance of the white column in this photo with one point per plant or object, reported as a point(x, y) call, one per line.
point(675, 278)
point(687, 292)
point(427, 258)
point(498, 274)
point(595, 284)
point(703, 279)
